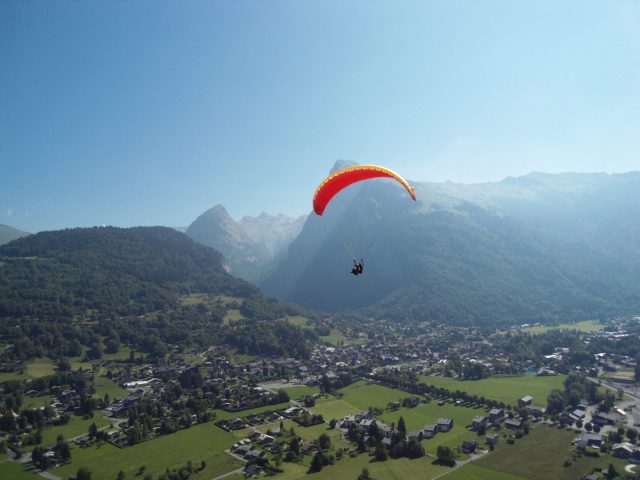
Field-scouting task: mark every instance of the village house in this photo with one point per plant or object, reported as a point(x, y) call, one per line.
point(429, 431)
point(496, 414)
point(513, 423)
point(445, 424)
point(469, 446)
point(525, 401)
point(478, 422)
point(589, 440)
point(625, 450)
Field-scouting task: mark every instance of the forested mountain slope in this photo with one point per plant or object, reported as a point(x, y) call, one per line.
point(535, 248)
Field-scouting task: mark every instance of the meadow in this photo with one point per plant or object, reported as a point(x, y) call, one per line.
point(584, 326)
point(524, 457)
point(77, 426)
point(224, 415)
point(507, 389)
point(472, 471)
point(202, 442)
point(104, 385)
point(423, 414)
point(15, 471)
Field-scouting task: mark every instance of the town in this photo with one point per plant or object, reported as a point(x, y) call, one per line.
point(450, 398)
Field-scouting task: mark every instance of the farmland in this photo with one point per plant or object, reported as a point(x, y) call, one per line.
point(203, 442)
point(503, 388)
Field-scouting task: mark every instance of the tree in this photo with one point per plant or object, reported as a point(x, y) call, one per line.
point(364, 475)
point(632, 434)
point(402, 428)
point(381, 453)
point(324, 441)
point(83, 474)
point(556, 402)
point(121, 475)
point(445, 456)
point(332, 423)
point(93, 430)
point(316, 463)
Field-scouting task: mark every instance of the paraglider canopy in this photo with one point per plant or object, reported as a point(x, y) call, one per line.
point(341, 179)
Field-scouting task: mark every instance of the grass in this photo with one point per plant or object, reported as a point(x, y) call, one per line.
point(121, 355)
point(15, 471)
point(584, 326)
point(297, 391)
point(233, 315)
point(335, 338)
point(7, 376)
point(76, 426)
point(350, 468)
point(40, 367)
point(202, 442)
point(306, 433)
point(471, 471)
point(424, 414)
point(507, 389)
point(104, 385)
point(222, 414)
point(541, 454)
point(298, 320)
point(334, 408)
point(37, 402)
point(364, 395)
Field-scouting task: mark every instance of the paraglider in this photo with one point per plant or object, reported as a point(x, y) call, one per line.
point(345, 177)
point(358, 268)
point(341, 179)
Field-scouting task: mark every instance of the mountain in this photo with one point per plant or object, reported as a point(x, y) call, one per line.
point(249, 245)
point(535, 248)
point(114, 270)
point(8, 234)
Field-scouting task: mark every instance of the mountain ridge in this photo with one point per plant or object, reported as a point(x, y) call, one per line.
point(543, 247)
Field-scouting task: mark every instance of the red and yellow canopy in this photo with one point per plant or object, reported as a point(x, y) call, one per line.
point(341, 179)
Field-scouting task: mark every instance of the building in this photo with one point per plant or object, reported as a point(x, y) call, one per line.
point(525, 401)
point(445, 424)
point(479, 422)
point(469, 446)
point(496, 414)
point(429, 431)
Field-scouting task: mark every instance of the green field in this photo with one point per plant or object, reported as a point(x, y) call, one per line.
point(298, 320)
point(221, 414)
point(472, 471)
point(364, 395)
point(233, 315)
point(202, 442)
point(15, 471)
point(122, 354)
point(423, 414)
point(37, 402)
point(297, 391)
point(334, 408)
point(584, 326)
point(6, 376)
point(104, 385)
point(349, 468)
point(541, 454)
point(507, 389)
point(40, 367)
point(335, 337)
point(77, 426)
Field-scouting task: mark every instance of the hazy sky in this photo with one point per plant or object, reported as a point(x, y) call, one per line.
point(150, 112)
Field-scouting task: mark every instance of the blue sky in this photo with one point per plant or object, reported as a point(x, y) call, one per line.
point(150, 112)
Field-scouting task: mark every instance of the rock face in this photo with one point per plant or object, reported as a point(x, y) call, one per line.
point(248, 246)
point(535, 248)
